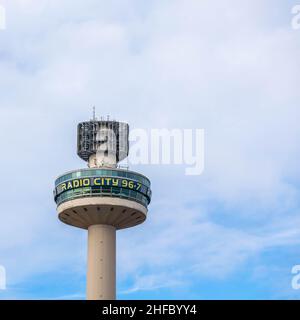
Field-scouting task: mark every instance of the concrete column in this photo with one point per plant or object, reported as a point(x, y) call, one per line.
point(101, 274)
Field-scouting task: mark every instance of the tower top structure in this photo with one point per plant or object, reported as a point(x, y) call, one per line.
point(102, 143)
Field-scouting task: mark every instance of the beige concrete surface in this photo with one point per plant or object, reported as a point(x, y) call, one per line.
point(101, 274)
point(84, 212)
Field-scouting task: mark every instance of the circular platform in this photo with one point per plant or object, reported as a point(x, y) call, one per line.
point(102, 196)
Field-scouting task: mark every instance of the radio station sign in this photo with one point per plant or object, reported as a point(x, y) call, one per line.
point(97, 182)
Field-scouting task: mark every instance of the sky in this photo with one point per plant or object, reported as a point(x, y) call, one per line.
point(229, 67)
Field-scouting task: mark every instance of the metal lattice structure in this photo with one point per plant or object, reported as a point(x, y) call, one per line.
point(92, 135)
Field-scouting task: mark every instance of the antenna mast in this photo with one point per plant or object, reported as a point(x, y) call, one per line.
point(94, 113)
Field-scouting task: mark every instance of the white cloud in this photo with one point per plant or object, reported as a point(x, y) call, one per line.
point(230, 68)
point(152, 282)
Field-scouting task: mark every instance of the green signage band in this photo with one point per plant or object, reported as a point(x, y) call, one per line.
point(101, 181)
point(77, 184)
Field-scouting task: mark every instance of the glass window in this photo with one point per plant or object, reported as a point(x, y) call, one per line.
point(125, 191)
point(106, 189)
point(116, 190)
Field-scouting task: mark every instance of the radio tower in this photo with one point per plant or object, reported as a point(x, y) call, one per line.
point(102, 198)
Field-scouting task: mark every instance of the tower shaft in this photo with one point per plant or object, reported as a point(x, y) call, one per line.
point(101, 274)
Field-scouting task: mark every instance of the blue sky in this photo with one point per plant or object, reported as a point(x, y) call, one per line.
point(230, 67)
